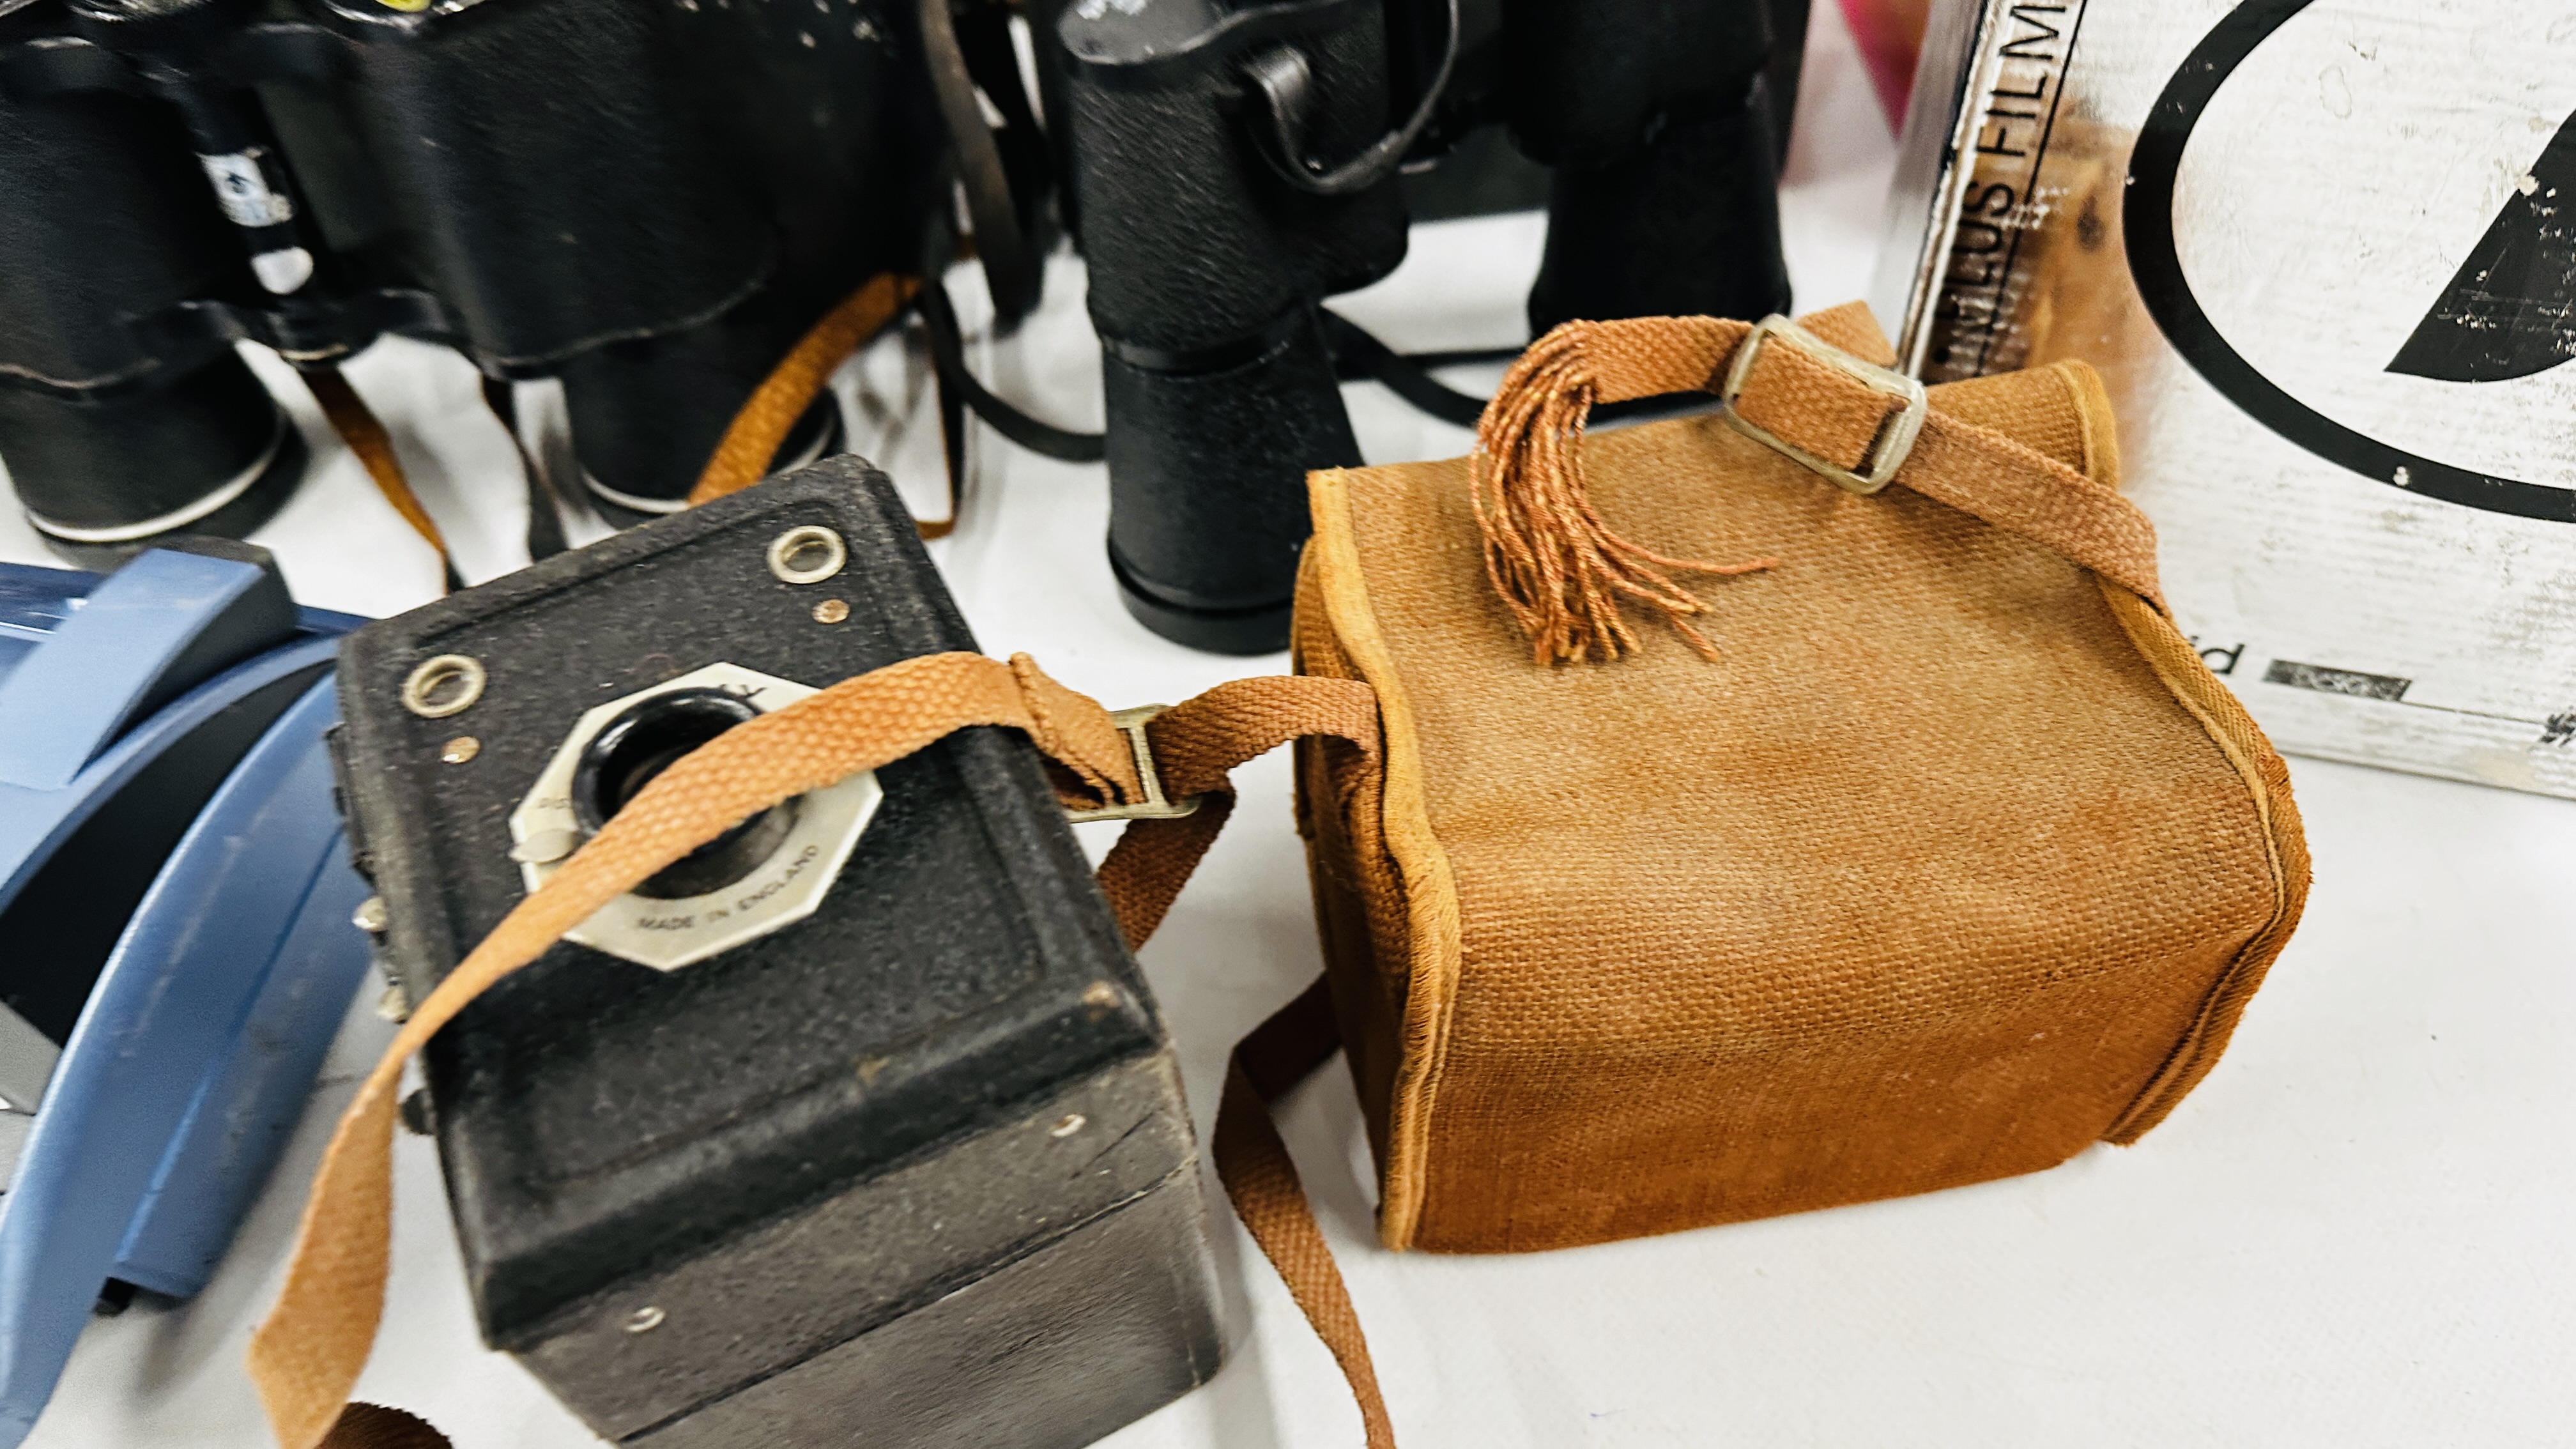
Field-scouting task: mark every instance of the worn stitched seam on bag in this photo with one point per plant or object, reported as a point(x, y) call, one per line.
point(2235, 735)
point(1430, 891)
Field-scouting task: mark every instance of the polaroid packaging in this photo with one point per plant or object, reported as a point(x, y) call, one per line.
point(2315, 248)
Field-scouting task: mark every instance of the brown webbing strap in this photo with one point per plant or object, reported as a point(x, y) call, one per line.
point(1261, 1180)
point(309, 1351)
point(358, 427)
point(1194, 745)
point(1565, 573)
point(742, 458)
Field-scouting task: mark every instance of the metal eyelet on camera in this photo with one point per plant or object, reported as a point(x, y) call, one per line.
point(806, 555)
point(446, 685)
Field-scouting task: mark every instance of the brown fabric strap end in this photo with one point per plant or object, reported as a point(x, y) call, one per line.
point(365, 435)
point(742, 458)
point(1195, 745)
point(1075, 734)
point(305, 1365)
point(1261, 1180)
point(1854, 329)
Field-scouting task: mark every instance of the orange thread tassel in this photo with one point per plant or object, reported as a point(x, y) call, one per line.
point(1558, 566)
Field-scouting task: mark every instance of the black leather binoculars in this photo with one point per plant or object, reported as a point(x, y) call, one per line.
point(649, 201)
point(1232, 163)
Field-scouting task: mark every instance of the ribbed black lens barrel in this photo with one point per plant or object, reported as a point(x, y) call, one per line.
point(1205, 266)
point(1207, 483)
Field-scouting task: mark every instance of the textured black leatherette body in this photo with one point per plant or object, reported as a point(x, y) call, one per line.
point(789, 1146)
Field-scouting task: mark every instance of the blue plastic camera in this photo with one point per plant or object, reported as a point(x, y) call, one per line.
point(176, 938)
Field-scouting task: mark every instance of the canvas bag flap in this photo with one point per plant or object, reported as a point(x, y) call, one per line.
point(1952, 860)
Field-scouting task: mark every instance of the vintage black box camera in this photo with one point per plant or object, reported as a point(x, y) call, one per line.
point(873, 1135)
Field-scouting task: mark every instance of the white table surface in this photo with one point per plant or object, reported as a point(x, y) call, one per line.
point(2354, 1233)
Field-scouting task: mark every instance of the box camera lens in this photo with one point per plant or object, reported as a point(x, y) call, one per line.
point(638, 746)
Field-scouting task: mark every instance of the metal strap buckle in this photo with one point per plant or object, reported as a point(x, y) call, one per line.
point(1895, 436)
point(1131, 723)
